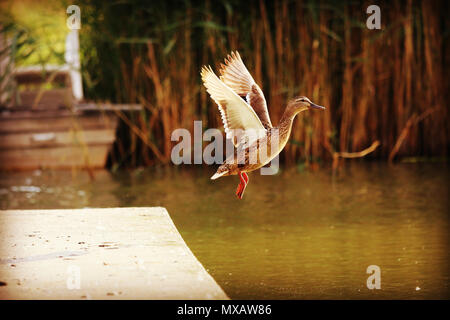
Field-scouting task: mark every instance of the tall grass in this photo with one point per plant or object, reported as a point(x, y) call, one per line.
point(376, 84)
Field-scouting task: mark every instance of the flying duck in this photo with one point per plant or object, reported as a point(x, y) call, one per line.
point(246, 120)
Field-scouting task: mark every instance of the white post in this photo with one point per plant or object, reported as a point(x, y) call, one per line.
point(72, 58)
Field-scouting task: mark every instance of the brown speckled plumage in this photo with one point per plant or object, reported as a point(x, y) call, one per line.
point(233, 164)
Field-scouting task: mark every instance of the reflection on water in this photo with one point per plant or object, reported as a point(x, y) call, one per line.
point(297, 235)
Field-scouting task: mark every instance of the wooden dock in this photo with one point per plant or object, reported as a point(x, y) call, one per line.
point(110, 253)
point(47, 124)
point(58, 139)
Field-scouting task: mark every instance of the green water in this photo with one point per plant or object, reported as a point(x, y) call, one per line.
point(297, 235)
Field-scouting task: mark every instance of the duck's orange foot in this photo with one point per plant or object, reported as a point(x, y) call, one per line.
point(242, 185)
point(239, 191)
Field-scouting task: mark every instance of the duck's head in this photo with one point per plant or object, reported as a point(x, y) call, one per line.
point(299, 104)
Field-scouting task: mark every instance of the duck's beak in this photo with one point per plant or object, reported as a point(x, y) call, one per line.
point(316, 106)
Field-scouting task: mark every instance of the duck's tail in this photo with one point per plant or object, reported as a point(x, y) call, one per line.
point(218, 174)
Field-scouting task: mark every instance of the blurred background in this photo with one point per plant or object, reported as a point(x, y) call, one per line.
point(387, 85)
point(110, 94)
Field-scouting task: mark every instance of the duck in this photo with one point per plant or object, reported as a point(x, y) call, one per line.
point(246, 120)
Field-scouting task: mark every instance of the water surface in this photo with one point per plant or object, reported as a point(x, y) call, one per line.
point(296, 235)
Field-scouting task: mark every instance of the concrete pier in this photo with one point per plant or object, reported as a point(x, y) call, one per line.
point(112, 253)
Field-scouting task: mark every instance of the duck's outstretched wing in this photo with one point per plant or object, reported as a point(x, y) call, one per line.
point(236, 76)
point(239, 119)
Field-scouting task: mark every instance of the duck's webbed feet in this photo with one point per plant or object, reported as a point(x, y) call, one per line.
point(242, 185)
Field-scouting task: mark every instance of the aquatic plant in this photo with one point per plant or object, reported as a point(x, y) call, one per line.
point(383, 85)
